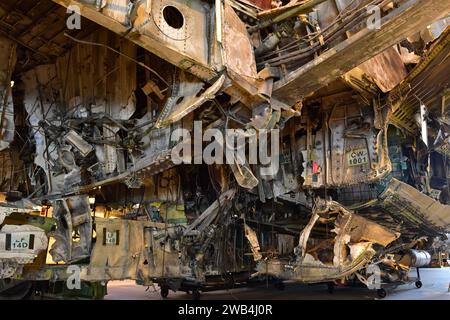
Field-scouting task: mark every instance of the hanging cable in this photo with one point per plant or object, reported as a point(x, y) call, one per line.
point(120, 53)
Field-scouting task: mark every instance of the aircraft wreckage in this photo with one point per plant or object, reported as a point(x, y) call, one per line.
point(108, 108)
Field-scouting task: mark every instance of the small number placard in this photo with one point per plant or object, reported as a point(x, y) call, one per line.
point(357, 157)
point(20, 242)
point(111, 238)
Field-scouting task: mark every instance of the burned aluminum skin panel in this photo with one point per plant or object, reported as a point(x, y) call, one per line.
point(206, 218)
point(359, 151)
point(416, 207)
point(73, 216)
point(444, 147)
point(21, 206)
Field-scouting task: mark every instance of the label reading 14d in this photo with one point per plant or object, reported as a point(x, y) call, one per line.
point(357, 157)
point(20, 242)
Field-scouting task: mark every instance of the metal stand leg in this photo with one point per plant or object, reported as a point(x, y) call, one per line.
point(418, 282)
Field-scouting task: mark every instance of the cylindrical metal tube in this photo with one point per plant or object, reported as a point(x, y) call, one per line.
point(303, 8)
point(419, 258)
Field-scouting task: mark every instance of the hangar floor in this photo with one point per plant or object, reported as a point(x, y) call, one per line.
point(436, 284)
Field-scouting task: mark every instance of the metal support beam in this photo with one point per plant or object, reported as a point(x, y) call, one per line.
point(411, 17)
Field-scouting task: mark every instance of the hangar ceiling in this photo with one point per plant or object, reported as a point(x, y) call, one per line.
point(38, 27)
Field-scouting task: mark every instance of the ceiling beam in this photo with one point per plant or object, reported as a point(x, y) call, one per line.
point(21, 43)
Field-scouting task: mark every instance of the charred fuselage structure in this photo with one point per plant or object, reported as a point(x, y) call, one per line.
point(349, 97)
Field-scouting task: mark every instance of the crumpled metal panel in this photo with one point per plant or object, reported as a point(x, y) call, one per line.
point(73, 214)
point(254, 244)
point(352, 246)
point(401, 199)
point(40, 109)
point(186, 97)
point(238, 55)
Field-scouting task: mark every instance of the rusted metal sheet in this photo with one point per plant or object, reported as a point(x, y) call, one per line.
point(386, 69)
point(238, 50)
point(262, 4)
